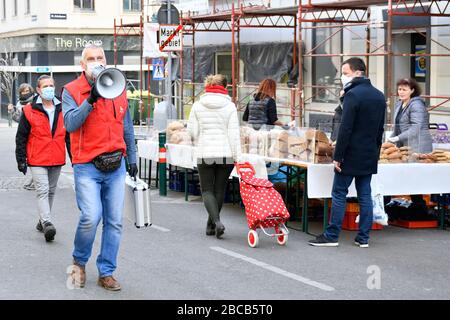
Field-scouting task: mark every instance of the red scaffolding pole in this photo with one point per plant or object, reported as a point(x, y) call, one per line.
point(134, 30)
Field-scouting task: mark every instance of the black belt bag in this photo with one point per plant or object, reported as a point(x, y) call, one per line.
point(108, 162)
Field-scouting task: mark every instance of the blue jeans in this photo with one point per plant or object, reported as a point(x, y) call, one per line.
point(99, 195)
point(341, 184)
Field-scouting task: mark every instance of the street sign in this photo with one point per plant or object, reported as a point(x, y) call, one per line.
point(158, 69)
point(42, 69)
point(58, 16)
point(170, 38)
point(163, 17)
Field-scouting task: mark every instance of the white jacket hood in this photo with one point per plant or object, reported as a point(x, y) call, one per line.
point(215, 100)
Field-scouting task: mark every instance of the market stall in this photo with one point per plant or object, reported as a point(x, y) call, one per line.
point(309, 151)
point(402, 171)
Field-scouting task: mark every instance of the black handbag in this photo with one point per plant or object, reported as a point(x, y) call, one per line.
point(108, 162)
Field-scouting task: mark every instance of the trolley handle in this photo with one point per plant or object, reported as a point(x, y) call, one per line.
point(243, 166)
point(438, 126)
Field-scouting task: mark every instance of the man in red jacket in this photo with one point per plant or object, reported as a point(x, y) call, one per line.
point(40, 145)
point(101, 134)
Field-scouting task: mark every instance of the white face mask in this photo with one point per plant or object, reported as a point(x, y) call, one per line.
point(91, 66)
point(345, 80)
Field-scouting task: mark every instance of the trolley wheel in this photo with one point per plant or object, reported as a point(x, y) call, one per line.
point(252, 238)
point(282, 240)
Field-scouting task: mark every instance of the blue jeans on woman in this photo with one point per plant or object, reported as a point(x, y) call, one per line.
point(100, 195)
point(341, 184)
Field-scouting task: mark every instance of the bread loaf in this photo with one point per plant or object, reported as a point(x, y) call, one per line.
point(174, 127)
point(324, 149)
point(395, 155)
point(323, 159)
point(321, 137)
point(391, 150)
point(387, 145)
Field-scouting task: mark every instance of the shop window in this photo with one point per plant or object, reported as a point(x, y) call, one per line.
point(326, 70)
point(87, 5)
point(131, 5)
point(223, 66)
point(27, 60)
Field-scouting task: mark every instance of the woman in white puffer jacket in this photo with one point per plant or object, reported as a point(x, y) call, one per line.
point(214, 128)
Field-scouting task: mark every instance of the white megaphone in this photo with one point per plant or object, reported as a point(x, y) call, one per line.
point(109, 82)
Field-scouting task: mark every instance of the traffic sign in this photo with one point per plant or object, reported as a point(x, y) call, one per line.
point(163, 16)
point(158, 69)
point(170, 38)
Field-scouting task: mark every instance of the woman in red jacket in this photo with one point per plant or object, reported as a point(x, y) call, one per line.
point(40, 144)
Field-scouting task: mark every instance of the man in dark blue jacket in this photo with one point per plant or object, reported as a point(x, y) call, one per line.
point(357, 151)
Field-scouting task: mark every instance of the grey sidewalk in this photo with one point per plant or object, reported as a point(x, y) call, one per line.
point(175, 260)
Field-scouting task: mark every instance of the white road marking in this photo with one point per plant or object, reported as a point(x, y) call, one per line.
point(70, 177)
point(162, 229)
point(171, 201)
point(274, 269)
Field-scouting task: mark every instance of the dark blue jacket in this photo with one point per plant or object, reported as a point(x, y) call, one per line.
point(361, 131)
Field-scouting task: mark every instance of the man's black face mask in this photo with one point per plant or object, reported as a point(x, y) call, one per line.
point(25, 96)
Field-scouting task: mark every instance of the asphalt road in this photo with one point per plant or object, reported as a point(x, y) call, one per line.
point(174, 259)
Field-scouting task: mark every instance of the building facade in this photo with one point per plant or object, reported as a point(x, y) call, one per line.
point(48, 36)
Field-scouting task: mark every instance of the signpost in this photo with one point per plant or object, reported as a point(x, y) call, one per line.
point(170, 40)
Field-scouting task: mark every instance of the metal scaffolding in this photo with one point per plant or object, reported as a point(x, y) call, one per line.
point(417, 8)
point(338, 15)
point(240, 16)
point(301, 17)
point(133, 30)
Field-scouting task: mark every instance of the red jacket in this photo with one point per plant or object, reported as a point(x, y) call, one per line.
point(44, 147)
point(103, 129)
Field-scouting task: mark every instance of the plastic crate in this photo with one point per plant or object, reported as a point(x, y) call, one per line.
point(352, 207)
point(194, 189)
point(414, 224)
point(349, 222)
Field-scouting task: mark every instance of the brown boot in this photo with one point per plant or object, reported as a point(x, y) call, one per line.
point(109, 283)
point(78, 275)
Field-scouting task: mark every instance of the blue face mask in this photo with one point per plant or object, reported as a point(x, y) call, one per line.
point(48, 93)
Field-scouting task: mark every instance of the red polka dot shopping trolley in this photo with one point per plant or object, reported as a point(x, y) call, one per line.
point(264, 206)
